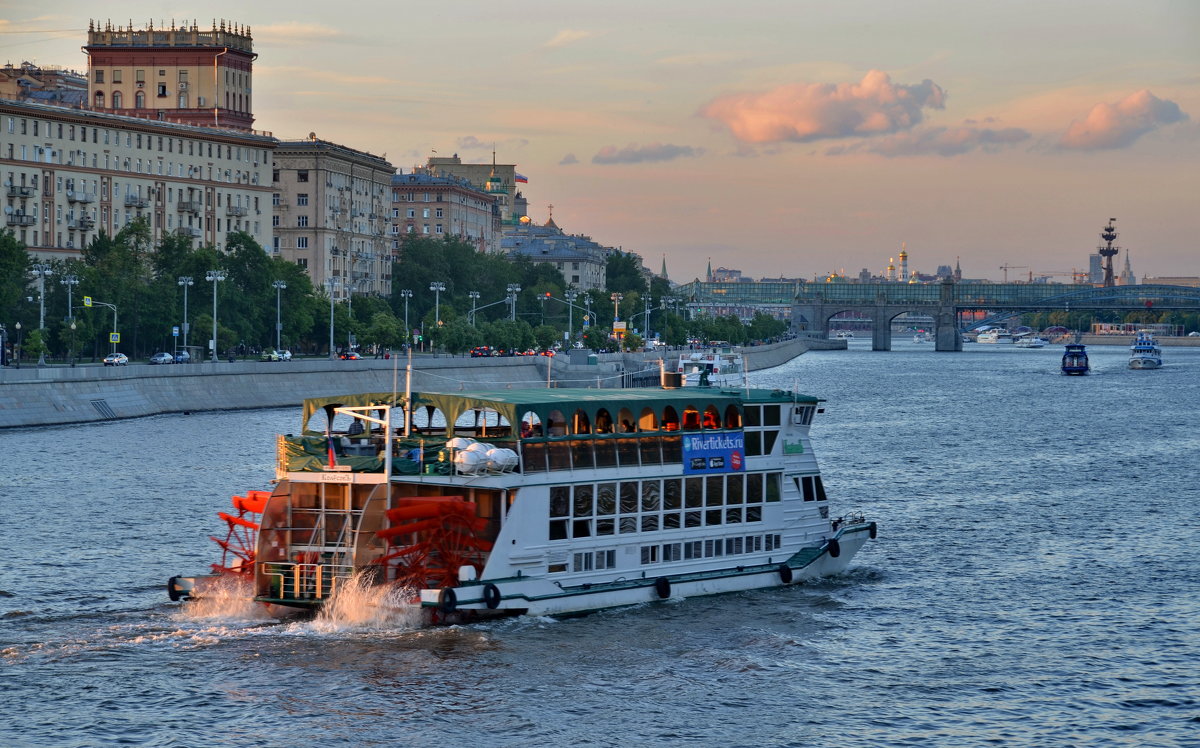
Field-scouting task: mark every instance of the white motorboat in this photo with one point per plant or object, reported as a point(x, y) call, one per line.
point(1144, 353)
point(715, 367)
point(1031, 341)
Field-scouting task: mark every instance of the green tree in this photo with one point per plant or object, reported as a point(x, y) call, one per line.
point(623, 274)
point(14, 274)
point(545, 336)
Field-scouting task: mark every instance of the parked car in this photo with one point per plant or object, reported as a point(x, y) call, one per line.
point(351, 356)
point(269, 355)
point(116, 359)
point(480, 351)
point(285, 355)
point(162, 358)
point(182, 357)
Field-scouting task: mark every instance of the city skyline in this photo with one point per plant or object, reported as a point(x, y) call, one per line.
point(792, 139)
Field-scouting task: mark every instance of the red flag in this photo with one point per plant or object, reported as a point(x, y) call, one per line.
point(332, 454)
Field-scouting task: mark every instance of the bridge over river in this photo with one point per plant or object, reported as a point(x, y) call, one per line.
point(817, 303)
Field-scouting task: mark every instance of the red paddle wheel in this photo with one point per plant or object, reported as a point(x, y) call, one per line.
point(238, 547)
point(431, 537)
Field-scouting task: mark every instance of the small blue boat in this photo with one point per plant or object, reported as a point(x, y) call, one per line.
point(1075, 359)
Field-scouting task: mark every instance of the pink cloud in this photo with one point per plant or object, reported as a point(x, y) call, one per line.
point(803, 112)
point(1118, 125)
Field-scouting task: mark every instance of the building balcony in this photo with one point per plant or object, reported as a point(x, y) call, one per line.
point(21, 191)
point(79, 196)
point(188, 206)
point(20, 219)
point(133, 201)
point(190, 231)
point(82, 224)
point(236, 210)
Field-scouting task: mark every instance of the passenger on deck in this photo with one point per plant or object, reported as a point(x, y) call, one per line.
point(626, 426)
point(356, 428)
point(526, 430)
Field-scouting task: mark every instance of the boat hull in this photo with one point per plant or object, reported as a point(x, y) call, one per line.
point(1145, 363)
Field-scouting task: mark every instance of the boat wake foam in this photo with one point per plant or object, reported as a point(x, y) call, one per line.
point(360, 604)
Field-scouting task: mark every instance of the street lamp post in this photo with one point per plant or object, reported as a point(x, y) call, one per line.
point(332, 282)
point(185, 281)
point(437, 287)
point(41, 270)
point(474, 298)
point(571, 295)
point(279, 286)
point(406, 294)
point(616, 300)
point(513, 290)
point(70, 281)
point(214, 277)
point(71, 353)
point(17, 351)
point(646, 335)
point(587, 315)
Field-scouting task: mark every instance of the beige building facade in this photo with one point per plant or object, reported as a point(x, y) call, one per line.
point(444, 206)
point(180, 74)
point(70, 173)
point(331, 206)
point(498, 180)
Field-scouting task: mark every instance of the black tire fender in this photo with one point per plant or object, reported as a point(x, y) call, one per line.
point(172, 591)
point(834, 548)
point(491, 596)
point(447, 600)
point(785, 573)
point(662, 586)
point(873, 531)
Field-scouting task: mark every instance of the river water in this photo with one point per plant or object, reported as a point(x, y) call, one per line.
point(1035, 582)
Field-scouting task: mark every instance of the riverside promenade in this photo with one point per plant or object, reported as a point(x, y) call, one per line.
point(30, 396)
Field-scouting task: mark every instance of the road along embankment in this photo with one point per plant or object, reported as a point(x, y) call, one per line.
point(54, 395)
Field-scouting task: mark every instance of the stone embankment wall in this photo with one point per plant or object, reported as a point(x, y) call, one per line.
point(30, 396)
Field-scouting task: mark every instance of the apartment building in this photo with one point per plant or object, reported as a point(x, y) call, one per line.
point(70, 173)
point(330, 215)
point(439, 207)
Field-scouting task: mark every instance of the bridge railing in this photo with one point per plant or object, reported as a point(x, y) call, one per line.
point(998, 295)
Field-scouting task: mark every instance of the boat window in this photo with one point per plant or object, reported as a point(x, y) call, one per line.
point(754, 513)
point(606, 499)
point(712, 517)
point(692, 519)
point(802, 415)
point(579, 425)
point(733, 419)
point(753, 443)
point(714, 494)
point(771, 415)
point(694, 492)
point(428, 420)
point(531, 425)
point(604, 423)
point(581, 528)
point(605, 526)
point(691, 418)
point(733, 514)
point(734, 486)
point(581, 453)
point(584, 496)
point(754, 487)
point(629, 498)
point(560, 455)
point(769, 438)
point(533, 457)
point(712, 419)
point(625, 419)
point(773, 486)
point(672, 449)
point(556, 424)
point(672, 494)
point(670, 419)
point(627, 452)
point(560, 501)
point(605, 451)
point(651, 454)
point(753, 415)
point(820, 488)
point(651, 496)
point(648, 420)
point(649, 522)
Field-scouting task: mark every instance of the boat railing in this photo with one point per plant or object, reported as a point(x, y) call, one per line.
point(304, 581)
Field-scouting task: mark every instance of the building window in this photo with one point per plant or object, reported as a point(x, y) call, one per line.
point(99, 99)
point(302, 175)
point(301, 242)
point(116, 76)
point(302, 221)
point(274, 220)
point(139, 101)
point(99, 76)
point(303, 262)
point(162, 90)
point(116, 99)
point(302, 199)
point(139, 76)
point(275, 199)
point(438, 229)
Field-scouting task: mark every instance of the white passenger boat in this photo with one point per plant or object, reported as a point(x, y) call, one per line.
point(465, 506)
point(844, 335)
point(994, 336)
point(715, 367)
point(1144, 353)
point(1031, 341)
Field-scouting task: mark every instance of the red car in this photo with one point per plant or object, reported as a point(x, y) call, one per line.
point(351, 356)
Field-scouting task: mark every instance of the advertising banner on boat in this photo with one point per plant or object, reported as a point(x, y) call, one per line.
point(714, 453)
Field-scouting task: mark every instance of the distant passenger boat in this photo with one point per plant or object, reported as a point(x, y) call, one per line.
point(1144, 353)
point(844, 334)
point(994, 336)
point(1075, 359)
point(1031, 341)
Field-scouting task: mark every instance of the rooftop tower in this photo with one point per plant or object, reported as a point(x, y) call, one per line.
point(175, 73)
point(1109, 235)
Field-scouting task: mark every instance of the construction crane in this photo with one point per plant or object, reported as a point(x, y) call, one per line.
point(1006, 268)
point(1076, 276)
